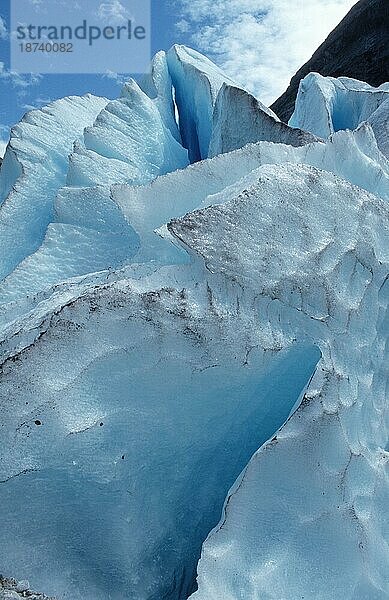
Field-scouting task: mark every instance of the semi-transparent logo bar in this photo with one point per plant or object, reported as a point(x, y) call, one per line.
point(80, 36)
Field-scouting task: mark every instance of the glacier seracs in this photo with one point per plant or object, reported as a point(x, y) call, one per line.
point(319, 488)
point(127, 142)
point(130, 132)
point(158, 86)
point(89, 218)
point(34, 168)
point(380, 125)
point(326, 104)
point(354, 156)
point(183, 341)
point(239, 119)
point(197, 82)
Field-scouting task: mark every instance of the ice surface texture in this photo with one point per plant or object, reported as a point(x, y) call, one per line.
point(194, 356)
point(239, 118)
point(34, 168)
point(10, 589)
point(319, 489)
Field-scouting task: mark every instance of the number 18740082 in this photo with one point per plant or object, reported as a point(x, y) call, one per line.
point(46, 47)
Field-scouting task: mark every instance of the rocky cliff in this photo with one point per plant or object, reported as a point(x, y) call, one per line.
point(358, 47)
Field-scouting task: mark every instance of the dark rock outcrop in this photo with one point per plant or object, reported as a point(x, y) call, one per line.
point(358, 47)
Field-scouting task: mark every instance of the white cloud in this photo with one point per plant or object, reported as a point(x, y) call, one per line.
point(261, 43)
point(38, 102)
point(113, 12)
point(17, 80)
point(118, 78)
point(41, 6)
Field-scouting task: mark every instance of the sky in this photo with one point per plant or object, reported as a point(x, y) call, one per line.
point(259, 43)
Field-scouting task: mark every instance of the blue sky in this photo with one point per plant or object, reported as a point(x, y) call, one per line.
point(20, 93)
point(260, 43)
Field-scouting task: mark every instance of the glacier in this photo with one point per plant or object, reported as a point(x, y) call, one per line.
point(325, 104)
point(194, 343)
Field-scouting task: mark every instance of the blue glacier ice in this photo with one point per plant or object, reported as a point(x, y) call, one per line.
point(325, 104)
point(10, 589)
point(239, 119)
point(307, 514)
point(194, 343)
point(197, 82)
point(131, 132)
point(159, 87)
point(380, 125)
point(34, 168)
point(120, 145)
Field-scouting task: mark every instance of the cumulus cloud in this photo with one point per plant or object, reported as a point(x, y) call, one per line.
point(118, 78)
point(18, 81)
point(260, 43)
point(113, 12)
point(38, 102)
point(39, 6)
point(44, 7)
